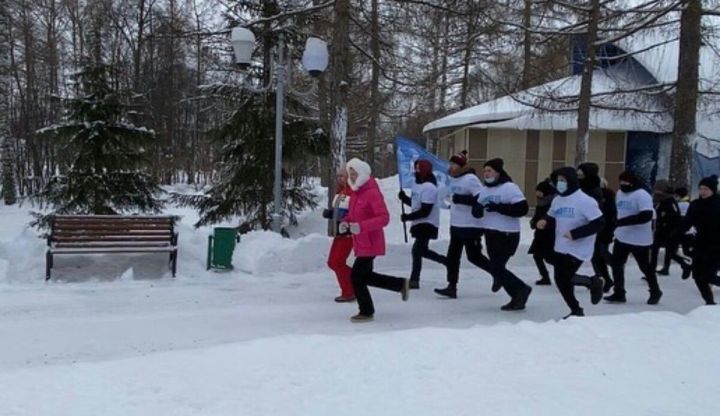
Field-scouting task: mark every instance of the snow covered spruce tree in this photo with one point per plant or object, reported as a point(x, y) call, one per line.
point(105, 168)
point(246, 140)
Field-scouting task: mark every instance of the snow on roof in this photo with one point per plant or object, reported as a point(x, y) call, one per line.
point(553, 106)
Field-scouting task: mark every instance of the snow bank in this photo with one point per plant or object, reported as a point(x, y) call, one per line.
point(660, 364)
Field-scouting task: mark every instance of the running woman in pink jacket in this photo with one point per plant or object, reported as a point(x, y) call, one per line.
point(366, 219)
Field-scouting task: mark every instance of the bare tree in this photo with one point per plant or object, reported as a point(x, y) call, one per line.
point(686, 93)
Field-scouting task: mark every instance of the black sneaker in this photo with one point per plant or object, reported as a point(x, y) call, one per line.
point(654, 298)
point(518, 302)
point(449, 292)
point(596, 289)
point(687, 272)
point(616, 298)
point(608, 285)
point(543, 282)
point(663, 272)
point(578, 312)
point(414, 284)
point(359, 318)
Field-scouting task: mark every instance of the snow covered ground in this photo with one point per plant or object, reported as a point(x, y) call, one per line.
point(115, 335)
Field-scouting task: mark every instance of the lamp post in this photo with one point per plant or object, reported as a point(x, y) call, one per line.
point(315, 61)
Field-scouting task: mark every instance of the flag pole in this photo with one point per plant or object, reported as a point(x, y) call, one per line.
point(402, 210)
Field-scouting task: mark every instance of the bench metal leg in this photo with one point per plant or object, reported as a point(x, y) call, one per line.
point(48, 265)
point(174, 257)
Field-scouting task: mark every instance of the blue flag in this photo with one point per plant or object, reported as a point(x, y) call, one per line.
point(407, 152)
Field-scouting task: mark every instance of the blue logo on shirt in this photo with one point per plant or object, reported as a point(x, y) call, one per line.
point(625, 205)
point(491, 199)
point(564, 212)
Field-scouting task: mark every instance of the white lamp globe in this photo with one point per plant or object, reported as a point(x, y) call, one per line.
point(243, 43)
point(315, 57)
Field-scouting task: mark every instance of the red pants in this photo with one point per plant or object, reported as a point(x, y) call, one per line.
point(337, 262)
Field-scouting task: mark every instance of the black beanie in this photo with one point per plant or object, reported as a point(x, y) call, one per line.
point(497, 164)
point(546, 188)
point(628, 176)
point(710, 182)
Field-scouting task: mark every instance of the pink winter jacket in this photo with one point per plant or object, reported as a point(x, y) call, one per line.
point(367, 208)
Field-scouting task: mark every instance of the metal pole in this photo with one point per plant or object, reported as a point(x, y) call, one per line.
point(280, 79)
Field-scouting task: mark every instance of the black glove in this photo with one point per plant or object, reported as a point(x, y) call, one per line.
point(327, 213)
point(478, 211)
point(463, 199)
point(491, 207)
point(404, 198)
point(404, 217)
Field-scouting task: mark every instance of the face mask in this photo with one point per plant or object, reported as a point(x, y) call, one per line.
point(489, 179)
point(562, 187)
point(418, 177)
point(626, 188)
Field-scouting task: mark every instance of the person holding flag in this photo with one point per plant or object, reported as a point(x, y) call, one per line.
point(425, 217)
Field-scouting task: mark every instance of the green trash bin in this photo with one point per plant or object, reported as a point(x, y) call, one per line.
point(220, 248)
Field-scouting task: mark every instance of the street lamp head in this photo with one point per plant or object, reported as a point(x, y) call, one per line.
point(243, 43)
point(315, 57)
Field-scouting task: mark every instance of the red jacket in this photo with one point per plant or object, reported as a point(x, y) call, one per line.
point(367, 208)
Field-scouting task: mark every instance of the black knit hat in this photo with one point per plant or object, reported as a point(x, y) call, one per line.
point(497, 164)
point(459, 159)
point(710, 182)
point(628, 176)
point(546, 188)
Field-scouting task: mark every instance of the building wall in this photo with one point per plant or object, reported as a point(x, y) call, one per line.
point(531, 155)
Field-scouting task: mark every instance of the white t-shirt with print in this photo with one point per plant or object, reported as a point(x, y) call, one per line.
point(570, 212)
point(461, 214)
point(426, 193)
point(632, 203)
point(506, 193)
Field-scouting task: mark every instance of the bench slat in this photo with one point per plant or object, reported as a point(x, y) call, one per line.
point(110, 238)
point(112, 250)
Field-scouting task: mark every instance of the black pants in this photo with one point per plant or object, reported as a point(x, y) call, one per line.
point(363, 276)
point(621, 252)
point(671, 253)
point(473, 251)
point(601, 259)
point(565, 268)
point(540, 260)
point(500, 247)
point(704, 270)
point(420, 250)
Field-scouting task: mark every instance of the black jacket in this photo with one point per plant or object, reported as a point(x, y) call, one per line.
point(704, 215)
point(668, 219)
point(544, 240)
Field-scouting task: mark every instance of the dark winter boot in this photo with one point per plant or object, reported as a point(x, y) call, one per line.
point(414, 284)
point(544, 281)
point(359, 318)
point(496, 285)
point(518, 302)
point(616, 298)
point(654, 297)
point(577, 312)
point(450, 292)
point(594, 283)
point(608, 284)
point(663, 272)
point(687, 272)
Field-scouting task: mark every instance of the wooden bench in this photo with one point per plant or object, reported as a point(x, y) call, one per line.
point(110, 234)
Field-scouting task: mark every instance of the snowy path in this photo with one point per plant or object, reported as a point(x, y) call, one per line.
point(114, 335)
